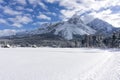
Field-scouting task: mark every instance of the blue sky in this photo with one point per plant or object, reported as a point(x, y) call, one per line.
point(27, 15)
point(18, 15)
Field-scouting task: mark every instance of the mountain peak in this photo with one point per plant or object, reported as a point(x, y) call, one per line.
point(75, 19)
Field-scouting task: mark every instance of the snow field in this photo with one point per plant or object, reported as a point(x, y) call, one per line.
point(58, 64)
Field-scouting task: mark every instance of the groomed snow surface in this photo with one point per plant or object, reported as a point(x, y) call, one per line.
point(59, 64)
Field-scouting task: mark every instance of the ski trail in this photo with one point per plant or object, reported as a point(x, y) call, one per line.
point(108, 69)
point(113, 72)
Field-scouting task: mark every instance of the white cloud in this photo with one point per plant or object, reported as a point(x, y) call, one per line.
point(33, 1)
point(10, 11)
point(105, 15)
point(51, 13)
point(85, 5)
point(21, 1)
point(43, 5)
point(113, 19)
point(39, 23)
point(38, 2)
point(17, 25)
point(51, 1)
point(67, 13)
point(21, 19)
point(42, 16)
point(7, 32)
point(90, 16)
point(18, 21)
point(24, 19)
point(3, 21)
point(29, 10)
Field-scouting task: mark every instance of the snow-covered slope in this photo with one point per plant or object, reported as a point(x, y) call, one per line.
point(58, 64)
point(74, 26)
point(101, 26)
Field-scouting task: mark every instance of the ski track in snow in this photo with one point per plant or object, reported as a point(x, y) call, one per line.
point(108, 69)
point(105, 68)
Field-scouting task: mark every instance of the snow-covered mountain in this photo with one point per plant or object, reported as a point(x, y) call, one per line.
point(74, 26)
point(101, 26)
point(65, 29)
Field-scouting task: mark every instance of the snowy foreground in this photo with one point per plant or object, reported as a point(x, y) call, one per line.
point(59, 64)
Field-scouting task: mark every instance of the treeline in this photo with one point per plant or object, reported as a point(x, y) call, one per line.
point(49, 40)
